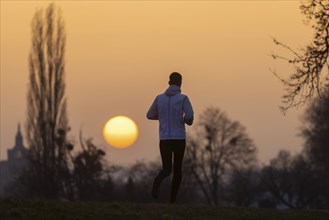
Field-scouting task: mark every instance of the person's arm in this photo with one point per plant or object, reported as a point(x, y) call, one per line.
point(188, 111)
point(152, 113)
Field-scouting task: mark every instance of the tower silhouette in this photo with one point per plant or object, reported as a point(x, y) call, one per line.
point(17, 156)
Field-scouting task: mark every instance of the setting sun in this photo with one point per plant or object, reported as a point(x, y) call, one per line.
point(120, 132)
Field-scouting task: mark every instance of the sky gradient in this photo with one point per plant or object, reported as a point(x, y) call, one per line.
point(119, 55)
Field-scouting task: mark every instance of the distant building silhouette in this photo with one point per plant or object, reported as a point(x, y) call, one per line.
point(11, 168)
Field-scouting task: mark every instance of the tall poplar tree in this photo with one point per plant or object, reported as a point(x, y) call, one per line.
point(47, 123)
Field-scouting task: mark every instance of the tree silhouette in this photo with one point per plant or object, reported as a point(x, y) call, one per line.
point(130, 189)
point(311, 64)
point(218, 146)
point(47, 123)
point(242, 188)
point(301, 181)
point(292, 180)
point(316, 132)
point(88, 171)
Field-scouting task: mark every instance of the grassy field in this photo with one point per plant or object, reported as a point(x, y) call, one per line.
point(44, 209)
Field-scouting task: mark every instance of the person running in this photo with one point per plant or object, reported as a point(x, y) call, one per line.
point(173, 110)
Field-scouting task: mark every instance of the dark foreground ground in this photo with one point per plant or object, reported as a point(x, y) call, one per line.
point(44, 209)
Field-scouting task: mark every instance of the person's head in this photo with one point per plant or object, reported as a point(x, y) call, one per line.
point(175, 78)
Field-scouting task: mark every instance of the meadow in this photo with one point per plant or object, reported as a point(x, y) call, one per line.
point(49, 209)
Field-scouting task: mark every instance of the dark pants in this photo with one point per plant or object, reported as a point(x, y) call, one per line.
point(169, 149)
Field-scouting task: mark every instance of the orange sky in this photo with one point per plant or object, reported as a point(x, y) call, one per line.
point(120, 53)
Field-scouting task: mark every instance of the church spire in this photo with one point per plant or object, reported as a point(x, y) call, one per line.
point(17, 155)
point(19, 137)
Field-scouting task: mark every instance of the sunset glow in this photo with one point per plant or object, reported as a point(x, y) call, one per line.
point(119, 55)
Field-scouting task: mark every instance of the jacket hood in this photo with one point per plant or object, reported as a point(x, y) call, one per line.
point(172, 90)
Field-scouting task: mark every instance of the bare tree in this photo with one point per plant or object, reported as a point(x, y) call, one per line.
point(88, 171)
point(218, 146)
point(292, 180)
point(47, 123)
point(242, 189)
point(311, 63)
point(316, 132)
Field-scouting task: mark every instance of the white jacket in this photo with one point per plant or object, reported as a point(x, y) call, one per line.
point(173, 110)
